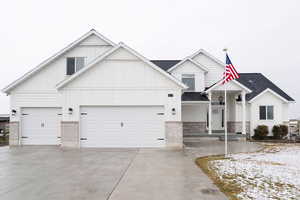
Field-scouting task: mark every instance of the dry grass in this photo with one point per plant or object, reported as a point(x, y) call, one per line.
point(227, 184)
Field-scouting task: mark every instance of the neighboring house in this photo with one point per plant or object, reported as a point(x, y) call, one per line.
point(4, 123)
point(95, 93)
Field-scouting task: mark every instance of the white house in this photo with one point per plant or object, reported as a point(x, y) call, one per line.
point(95, 93)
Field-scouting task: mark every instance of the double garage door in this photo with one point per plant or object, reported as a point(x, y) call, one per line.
point(118, 126)
point(133, 126)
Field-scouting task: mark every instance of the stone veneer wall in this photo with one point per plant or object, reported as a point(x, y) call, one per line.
point(70, 134)
point(14, 133)
point(194, 127)
point(234, 127)
point(174, 134)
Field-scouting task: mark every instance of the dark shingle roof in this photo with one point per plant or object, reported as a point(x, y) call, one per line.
point(165, 64)
point(257, 82)
point(194, 96)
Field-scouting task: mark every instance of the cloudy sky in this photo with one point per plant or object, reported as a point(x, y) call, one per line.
point(262, 36)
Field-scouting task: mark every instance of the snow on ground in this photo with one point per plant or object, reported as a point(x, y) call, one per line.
point(273, 173)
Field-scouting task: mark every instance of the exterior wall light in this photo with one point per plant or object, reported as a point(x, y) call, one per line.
point(173, 111)
point(70, 111)
point(13, 112)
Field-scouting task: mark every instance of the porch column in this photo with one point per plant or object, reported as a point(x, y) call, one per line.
point(244, 112)
point(209, 114)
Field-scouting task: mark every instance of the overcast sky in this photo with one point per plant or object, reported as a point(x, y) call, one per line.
point(262, 36)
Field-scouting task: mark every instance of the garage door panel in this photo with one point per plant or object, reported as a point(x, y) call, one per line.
point(122, 126)
point(40, 126)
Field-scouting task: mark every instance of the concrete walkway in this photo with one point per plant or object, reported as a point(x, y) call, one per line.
point(34, 173)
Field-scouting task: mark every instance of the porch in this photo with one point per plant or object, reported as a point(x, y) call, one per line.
point(205, 116)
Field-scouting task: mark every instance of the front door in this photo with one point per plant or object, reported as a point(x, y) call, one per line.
point(217, 118)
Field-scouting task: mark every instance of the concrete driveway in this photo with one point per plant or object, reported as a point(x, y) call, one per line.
point(34, 173)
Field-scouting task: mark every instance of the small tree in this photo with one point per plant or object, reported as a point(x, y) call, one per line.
point(261, 132)
point(276, 130)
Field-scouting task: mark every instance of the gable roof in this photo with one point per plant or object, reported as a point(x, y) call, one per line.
point(190, 60)
point(109, 52)
point(165, 64)
point(208, 55)
point(213, 86)
point(55, 56)
point(258, 83)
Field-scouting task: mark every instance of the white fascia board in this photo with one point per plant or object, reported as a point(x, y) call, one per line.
point(120, 45)
point(52, 58)
point(208, 55)
point(202, 67)
point(272, 92)
point(236, 82)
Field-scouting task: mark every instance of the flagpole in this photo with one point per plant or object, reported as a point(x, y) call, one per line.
point(225, 111)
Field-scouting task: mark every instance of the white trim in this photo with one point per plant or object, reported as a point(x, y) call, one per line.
point(272, 92)
point(52, 58)
point(202, 67)
point(102, 57)
point(236, 82)
point(208, 55)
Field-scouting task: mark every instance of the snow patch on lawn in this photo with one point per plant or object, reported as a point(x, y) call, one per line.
point(271, 174)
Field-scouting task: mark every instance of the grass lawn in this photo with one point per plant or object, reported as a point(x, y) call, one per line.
point(273, 173)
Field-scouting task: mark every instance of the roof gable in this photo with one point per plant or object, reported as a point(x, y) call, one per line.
point(188, 59)
point(208, 55)
point(109, 55)
point(83, 40)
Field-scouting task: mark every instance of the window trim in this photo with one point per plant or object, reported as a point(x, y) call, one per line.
point(266, 112)
point(189, 75)
point(75, 63)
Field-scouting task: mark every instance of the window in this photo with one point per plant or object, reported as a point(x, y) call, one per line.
point(266, 112)
point(189, 80)
point(74, 64)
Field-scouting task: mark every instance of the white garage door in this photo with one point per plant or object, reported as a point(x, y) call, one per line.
point(122, 126)
point(41, 126)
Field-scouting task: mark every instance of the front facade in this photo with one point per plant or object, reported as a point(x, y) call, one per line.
point(95, 93)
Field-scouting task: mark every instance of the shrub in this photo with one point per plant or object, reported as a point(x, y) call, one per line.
point(276, 130)
point(261, 132)
point(284, 130)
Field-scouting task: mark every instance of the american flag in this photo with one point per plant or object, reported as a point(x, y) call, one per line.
point(230, 72)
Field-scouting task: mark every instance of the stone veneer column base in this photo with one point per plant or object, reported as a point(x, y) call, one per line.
point(194, 128)
point(174, 134)
point(70, 134)
point(14, 134)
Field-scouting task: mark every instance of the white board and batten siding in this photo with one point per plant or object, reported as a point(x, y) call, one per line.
point(215, 70)
point(39, 90)
point(122, 126)
point(122, 102)
point(280, 111)
point(190, 68)
point(122, 80)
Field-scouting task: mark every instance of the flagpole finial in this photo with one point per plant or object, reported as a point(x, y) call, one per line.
point(225, 49)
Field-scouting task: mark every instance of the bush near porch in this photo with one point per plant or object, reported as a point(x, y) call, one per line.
point(279, 132)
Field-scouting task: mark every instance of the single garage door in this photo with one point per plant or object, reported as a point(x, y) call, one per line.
point(124, 126)
point(41, 126)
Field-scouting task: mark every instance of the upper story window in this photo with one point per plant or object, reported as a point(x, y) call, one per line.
point(189, 80)
point(266, 112)
point(74, 64)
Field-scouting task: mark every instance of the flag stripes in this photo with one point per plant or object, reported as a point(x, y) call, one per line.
point(230, 72)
